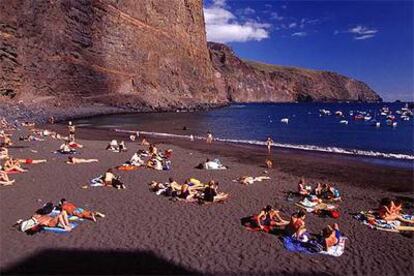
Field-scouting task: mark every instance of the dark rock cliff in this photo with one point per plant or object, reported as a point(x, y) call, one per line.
point(248, 81)
point(129, 53)
point(137, 55)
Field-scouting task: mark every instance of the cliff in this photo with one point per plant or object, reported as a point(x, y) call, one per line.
point(127, 53)
point(94, 56)
point(248, 81)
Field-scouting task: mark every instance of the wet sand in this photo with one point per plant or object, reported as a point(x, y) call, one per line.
point(147, 234)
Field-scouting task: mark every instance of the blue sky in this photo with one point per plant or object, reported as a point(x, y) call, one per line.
point(367, 40)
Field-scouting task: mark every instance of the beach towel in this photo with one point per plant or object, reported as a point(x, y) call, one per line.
point(126, 168)
point(311, 207)
point(378, 224)
point(59, 230)
point(96, 182)
point(313, 247)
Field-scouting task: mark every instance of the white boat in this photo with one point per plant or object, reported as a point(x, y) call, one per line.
point(339, 113)
point(367, 118)
point(377, 124)
point(285, 120)
point(345, 122)
point(394, 124)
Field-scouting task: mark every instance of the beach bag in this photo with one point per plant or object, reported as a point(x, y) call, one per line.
point(334, 214)
point(28, 224)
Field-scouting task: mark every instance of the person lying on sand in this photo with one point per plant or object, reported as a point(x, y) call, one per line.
point(144, 142)
point(30, 138)
point(185, 193)
point(155, 163)
point(328, 192)
point(296, 227)
point(110, 179)
point(28, 124)
point(72, 210)
point(113, 146)
point(12, 165)
point(65, 148)
point(136, 160)
point(153, 149)
point(122, 147)
point(330, 236)
point(74, 160)
point(7, 141)
point(4, 178)
point(302, 188)
point(269, 217)
point(248, 180)
point(212, 165)
point(210, 193)
point(390, 210)
point(43, 218)
point(4, 153)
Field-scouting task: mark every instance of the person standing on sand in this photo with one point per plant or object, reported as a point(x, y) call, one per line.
point(269, 143)
point(72, 130)
point(209, 139)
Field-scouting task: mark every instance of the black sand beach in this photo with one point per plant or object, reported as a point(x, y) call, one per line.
point(147, 234)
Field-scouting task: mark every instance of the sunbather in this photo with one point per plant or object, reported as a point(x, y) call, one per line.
point(330, 236)
point(144, 142)
point(212, 165)
point(153, 149)
point(136, 160)
point(185, 193)
point(4, 153)
point(270, 217)
point(65, 148)
point(12, 165)
point(72, 210)
point(110, 179)
point(302, 188)
point(113, 145)
point(122, 146)
point(248, 180)
point(389, 210)
point(74, 160)
point(296, 227)
point(210, 193)
point(4, 178)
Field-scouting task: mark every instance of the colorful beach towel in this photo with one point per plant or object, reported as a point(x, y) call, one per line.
point(368, 218)
point(59, 230)
point(312, 208)
point(313, 247)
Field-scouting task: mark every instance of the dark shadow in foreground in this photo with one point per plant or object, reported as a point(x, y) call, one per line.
point(92, 262)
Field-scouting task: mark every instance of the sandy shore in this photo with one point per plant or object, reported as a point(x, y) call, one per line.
point(148, 234)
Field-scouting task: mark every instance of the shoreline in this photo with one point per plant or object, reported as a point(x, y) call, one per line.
point(287, 160)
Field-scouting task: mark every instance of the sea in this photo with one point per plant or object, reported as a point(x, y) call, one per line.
point(351, 129)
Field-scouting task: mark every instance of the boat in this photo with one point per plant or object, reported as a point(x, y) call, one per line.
point(285, 120)
point(394, 124)
point(345, 122)
point(359, 117)
point(339, 113)
point(367, 118)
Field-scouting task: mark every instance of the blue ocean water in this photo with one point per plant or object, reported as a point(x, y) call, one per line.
point(306, 127)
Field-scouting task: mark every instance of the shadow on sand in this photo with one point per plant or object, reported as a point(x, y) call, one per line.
point(94, 262)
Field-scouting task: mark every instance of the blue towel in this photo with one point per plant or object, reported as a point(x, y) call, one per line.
point(59, 230)
point(295, 245)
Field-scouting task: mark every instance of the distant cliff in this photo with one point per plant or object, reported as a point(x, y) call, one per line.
point(138, 55)
point(249, 81)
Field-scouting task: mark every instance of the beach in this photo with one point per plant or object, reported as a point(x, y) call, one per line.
point(143, 233)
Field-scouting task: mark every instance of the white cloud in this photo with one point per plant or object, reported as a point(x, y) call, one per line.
point(249, 10)
point(360, 32)
point(292, 25)
point(363, 37)
point(299, 34)
point(223, 26)
point(276, 16)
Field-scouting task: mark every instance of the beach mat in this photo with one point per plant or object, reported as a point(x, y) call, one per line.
point(321, 206)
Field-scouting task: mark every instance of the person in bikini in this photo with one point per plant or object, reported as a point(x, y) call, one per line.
point(4, 153)
point(269, 143)
point(4, 178)
point(269, 217)
point(390, 210)
point(296, 227)
point(74, 160)
point(72, 210)
point(330, 236)
point(12, 165)
point(110, 179)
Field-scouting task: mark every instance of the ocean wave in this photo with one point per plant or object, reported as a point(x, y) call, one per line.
point(337, 150)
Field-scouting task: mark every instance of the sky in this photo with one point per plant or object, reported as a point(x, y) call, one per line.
point(371, 41)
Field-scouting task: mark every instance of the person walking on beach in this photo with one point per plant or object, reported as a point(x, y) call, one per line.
point(269, 143)
point(209, 139)
point(72, 130)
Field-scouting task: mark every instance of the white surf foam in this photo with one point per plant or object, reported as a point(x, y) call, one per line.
point(288, 146)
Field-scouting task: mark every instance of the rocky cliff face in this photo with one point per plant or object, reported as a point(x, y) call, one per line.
point(247, 81)
point(140, 55)
point(130, 53)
